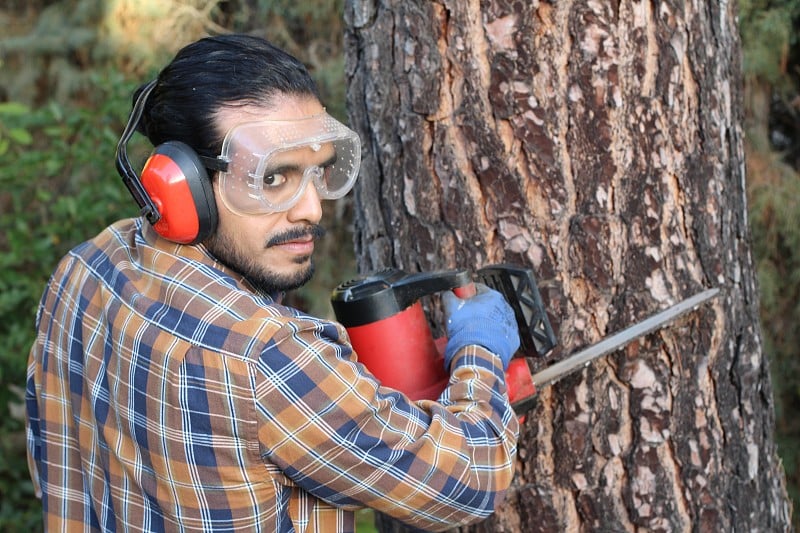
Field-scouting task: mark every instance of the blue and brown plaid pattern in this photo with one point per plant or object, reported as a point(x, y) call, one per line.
point(164, 394)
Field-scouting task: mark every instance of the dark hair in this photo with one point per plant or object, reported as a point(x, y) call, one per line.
point(211, 73)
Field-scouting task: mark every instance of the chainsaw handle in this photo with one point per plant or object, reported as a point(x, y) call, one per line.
point(389, 292)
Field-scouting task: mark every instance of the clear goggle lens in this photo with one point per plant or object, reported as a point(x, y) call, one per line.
point(270, 163)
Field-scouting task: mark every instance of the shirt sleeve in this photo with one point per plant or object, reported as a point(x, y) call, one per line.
point(32, 415)
point(329, 426)
point(32, 431)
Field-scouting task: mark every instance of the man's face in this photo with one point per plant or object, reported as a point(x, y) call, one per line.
point(273, 251)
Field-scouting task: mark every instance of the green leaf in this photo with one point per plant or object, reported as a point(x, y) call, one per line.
point(14, 109)
point(20, 135)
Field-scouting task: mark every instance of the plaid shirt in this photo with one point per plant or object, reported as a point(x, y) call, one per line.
point(164, 394)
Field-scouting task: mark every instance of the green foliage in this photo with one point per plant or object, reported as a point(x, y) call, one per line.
point(312, 30)
point(770, 44)
point(59, 187)
point(18, 512)
point(69, 68)
point(775, 224)
point(293, 22)
point(768, 30)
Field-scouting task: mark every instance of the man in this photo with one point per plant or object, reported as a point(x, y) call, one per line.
point(169, 389)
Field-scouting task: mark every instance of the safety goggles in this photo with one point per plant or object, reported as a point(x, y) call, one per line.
point(267, 165)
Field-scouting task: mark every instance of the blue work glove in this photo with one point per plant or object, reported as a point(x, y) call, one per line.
point(485, 319)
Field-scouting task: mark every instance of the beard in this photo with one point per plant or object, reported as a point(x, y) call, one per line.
point(266, 281)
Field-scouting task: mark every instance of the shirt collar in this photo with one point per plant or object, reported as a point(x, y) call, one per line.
point(200, 254)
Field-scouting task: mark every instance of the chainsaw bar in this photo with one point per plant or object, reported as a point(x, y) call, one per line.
point(612, 343)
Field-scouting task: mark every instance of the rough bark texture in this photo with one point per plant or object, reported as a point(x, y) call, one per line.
point(600, 143)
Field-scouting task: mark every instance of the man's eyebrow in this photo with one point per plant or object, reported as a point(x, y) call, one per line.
point(331, 160)
point(280, 168)
point(288, 167)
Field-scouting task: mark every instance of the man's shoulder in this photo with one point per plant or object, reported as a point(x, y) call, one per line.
point(180, 290)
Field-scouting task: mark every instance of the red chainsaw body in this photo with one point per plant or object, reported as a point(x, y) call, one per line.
point(401, 353)
point(390, 333)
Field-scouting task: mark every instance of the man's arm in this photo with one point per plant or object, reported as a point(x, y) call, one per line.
point(327, 423)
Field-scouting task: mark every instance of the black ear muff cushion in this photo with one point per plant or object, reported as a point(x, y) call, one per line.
point(196, 176)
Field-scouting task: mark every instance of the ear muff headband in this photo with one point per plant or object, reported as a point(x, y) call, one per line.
point(129, 176)
point(174, 192)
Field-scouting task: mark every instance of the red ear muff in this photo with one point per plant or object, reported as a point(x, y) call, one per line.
point(174, 192)
point(177, 183)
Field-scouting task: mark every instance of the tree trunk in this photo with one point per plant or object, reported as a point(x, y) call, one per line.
point(599, 143)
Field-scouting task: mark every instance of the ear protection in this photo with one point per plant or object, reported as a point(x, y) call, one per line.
point(174, 191)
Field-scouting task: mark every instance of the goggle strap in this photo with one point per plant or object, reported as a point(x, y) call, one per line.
point(214, 163)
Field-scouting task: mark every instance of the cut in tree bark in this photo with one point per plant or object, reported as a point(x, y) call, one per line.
point(599, 143)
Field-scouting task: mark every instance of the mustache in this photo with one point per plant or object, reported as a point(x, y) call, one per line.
point(312, 230)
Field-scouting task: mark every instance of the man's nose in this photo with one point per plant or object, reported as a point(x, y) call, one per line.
point(308, 207)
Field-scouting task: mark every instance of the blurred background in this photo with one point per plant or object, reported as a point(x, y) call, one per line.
point(67, 72)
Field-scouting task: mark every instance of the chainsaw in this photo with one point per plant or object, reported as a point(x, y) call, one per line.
point(384, 318)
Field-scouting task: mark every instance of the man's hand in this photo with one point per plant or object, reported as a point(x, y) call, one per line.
point(485, 319)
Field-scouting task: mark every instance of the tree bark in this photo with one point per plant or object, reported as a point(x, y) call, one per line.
point(601, 144)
